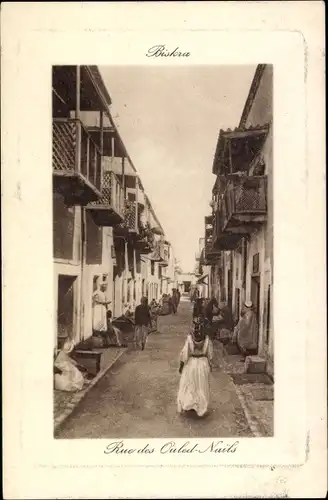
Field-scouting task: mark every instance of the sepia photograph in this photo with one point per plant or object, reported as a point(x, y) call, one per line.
point(163, 251)
point(163, 228)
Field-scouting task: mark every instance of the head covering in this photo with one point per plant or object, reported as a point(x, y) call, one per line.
point(197, 332)
point(68, 346)
point(248, 303)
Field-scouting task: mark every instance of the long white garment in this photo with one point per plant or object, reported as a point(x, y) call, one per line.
point(99, 311)
point(71, 379)
point(194, 390)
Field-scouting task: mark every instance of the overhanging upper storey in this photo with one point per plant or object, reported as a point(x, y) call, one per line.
point(236, 149)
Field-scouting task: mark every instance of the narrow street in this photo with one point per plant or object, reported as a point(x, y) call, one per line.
point(137, 397)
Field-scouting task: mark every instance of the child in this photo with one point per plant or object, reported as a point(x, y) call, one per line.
point(195, 367)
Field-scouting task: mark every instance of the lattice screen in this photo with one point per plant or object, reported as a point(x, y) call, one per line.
point(63, 145)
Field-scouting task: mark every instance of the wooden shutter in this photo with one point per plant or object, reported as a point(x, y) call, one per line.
point(93, 241)
point(63, 228)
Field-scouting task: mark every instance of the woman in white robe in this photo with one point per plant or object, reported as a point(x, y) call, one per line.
point(100, 303)
point(195, 366)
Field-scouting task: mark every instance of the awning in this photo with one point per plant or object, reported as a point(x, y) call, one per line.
point(237, 148)
point(202, 279)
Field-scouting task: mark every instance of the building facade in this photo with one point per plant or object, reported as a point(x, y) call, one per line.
point(104, 228)
point(239, 232)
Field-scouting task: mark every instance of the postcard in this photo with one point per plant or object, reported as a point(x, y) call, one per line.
point(164, 264)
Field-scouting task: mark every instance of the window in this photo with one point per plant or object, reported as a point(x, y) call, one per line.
point(244, 262)
point(237, 304)
point(63, 228)
point(128, 298)
point(152, 267)
point(131, 197)
point(256, 263)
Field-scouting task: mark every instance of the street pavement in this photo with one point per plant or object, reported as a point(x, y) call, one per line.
point(137, 396)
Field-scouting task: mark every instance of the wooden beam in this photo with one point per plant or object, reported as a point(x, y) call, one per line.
point(112, 142)
point(101, 132)
point(123, 177)
point(78, 93)
point(58, 96)
point(137, 202)
point(77, 116)
point(242, 134)
point(230, 158)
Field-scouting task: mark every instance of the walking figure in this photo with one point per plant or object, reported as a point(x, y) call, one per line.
point(171, 305)
point(175, 300)
point(142, 320)
point(195, 366)
point(199, 309)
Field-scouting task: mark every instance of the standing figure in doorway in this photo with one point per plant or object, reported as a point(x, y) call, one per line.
point(100, 303)
point(245, 333)
point(142, 320)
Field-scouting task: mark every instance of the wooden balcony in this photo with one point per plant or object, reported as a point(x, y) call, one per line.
point(209, 220)
point(76, 161)
point(129, 227)
point(164, 253)
point(242, 209)
point(108, 210)
point(146, 243)
point(208, 227)
point(223, 240)
point(245, 203)
point(211, 254)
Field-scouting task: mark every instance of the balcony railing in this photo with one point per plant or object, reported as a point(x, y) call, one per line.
point(130, 216)
point(76, 156)
point(211, 254)
point(108, 210)
point(147, 239)
point(165, 257)
point(223, 240)
point(244, 203)
point(241, 210)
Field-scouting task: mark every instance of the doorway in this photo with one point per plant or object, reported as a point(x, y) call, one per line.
point(66, 306)
point(255, 298)
point(230, 290)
